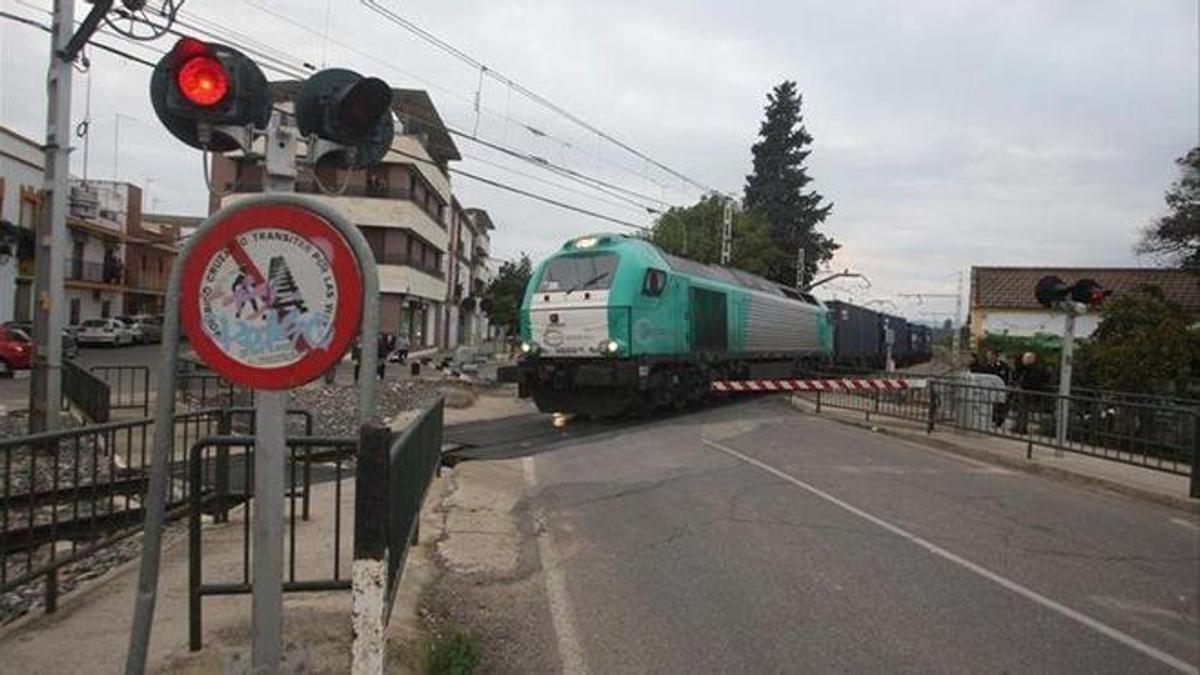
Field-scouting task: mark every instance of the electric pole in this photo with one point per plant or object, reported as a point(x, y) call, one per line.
point(956, 335)
point(45, 385)
point(800, 268)
point(727, 233)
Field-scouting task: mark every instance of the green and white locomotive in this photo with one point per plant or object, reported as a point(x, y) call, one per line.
point(611, 323)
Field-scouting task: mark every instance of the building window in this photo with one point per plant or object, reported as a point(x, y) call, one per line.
point(74, 320)
point(106, 309)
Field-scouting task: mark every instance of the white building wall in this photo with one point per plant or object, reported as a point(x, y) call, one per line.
point(20, 166)
point(1027, 323)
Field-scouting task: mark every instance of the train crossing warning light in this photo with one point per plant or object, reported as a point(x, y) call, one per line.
point(205, 93)
point(1051, 290)
point(353, 113)
point(1089, 292)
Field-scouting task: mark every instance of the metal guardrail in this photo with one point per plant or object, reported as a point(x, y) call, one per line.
point(1159, 437)
point(393, 476)
point(80, 490)
point(87, 392)
point(129, 386)
point(209, 390)
point(221, 479)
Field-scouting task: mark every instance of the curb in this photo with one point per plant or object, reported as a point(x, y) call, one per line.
point(1027, 466)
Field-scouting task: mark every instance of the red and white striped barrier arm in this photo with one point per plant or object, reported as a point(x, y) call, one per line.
point(844, 384)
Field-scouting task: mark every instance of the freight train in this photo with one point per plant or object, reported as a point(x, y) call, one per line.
point(611, 323)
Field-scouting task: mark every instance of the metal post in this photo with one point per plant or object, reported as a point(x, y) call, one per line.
point(727, 233)
point(956, 337)
point(267, 577)
point(270, 450)
point(800, 268)
point(1064, 379)
point(1194, 487)
point(45, 386)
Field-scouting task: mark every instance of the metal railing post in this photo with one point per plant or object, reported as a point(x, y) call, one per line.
point(932, 409)
point(1194, 483)
point(221, 470)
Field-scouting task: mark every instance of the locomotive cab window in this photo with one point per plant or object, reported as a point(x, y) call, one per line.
point(579, 273)
point(655, 282)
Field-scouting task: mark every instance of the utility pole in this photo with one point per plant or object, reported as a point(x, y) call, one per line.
point(956, 335)
point(1064, 374)
point(727, 233)
point(45, 386)
point(800, 268)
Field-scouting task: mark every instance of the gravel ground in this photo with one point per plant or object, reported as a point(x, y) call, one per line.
point(335, 408)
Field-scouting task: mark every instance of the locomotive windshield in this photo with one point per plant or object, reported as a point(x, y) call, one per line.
point(579, 273)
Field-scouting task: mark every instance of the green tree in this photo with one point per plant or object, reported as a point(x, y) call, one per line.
point(502, 297)
point(695, 232)
point(1141, 345)
point(776, 190)
point(1177, 234)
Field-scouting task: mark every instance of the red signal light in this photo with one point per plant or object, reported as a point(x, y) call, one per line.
point(202, 80)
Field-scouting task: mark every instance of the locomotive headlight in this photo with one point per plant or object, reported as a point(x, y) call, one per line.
point(612, 347)
point(528, 348)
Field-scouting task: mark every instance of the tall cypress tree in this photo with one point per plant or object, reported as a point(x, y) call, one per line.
point(776, 189)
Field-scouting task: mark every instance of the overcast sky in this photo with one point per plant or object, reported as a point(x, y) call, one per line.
point(948, 134)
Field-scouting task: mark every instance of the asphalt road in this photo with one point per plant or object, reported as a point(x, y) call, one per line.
point(750, 538)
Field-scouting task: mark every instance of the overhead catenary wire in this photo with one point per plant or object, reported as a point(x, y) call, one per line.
point(459, 172)
point(297, 68)
point(438, 42)
point(464, 98)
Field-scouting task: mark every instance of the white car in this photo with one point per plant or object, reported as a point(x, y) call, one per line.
point(109, 332)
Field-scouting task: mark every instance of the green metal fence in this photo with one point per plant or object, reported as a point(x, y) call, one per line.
point(1162, 437)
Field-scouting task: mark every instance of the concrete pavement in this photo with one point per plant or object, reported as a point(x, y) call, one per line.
point(752, 538)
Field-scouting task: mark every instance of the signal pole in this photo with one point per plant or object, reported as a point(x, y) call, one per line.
point(727, 233)
point(45, 385)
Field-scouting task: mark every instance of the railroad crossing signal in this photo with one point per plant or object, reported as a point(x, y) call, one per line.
point(352, 112)
point(213, 97)
point(206, 94)
point(1051, 291)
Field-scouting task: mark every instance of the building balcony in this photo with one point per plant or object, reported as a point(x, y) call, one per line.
point(107, 273)
point(146, 283)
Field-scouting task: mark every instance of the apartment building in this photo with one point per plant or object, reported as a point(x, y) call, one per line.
point(115, 260)
point(480, 249)
point(404, 207)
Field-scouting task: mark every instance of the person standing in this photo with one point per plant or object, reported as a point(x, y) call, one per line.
point(994, 365)
point(1032, 380)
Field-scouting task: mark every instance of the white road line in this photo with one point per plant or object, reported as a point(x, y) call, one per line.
point(1102, 628)
point(1185, 523)
point(570, 652)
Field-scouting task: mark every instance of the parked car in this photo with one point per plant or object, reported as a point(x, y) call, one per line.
point(135, 328)
point(110, 332)
point(16, 351)
point(70, 346)
point(149, 327)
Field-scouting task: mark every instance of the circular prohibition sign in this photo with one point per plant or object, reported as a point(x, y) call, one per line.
point(271, 296)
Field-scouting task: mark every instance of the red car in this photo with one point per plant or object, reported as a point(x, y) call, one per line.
point(16, 351)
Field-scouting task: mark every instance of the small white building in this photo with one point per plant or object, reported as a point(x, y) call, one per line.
point(1003, 302)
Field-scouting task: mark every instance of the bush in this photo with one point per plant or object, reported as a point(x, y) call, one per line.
point(455, 655)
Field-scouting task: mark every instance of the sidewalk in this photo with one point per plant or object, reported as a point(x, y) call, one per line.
point(1158, 486)
point(90, 631)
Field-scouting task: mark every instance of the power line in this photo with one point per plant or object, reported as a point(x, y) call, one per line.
point(520, 89)
point(473, 102)
point(459, 172)
point(292, 70)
